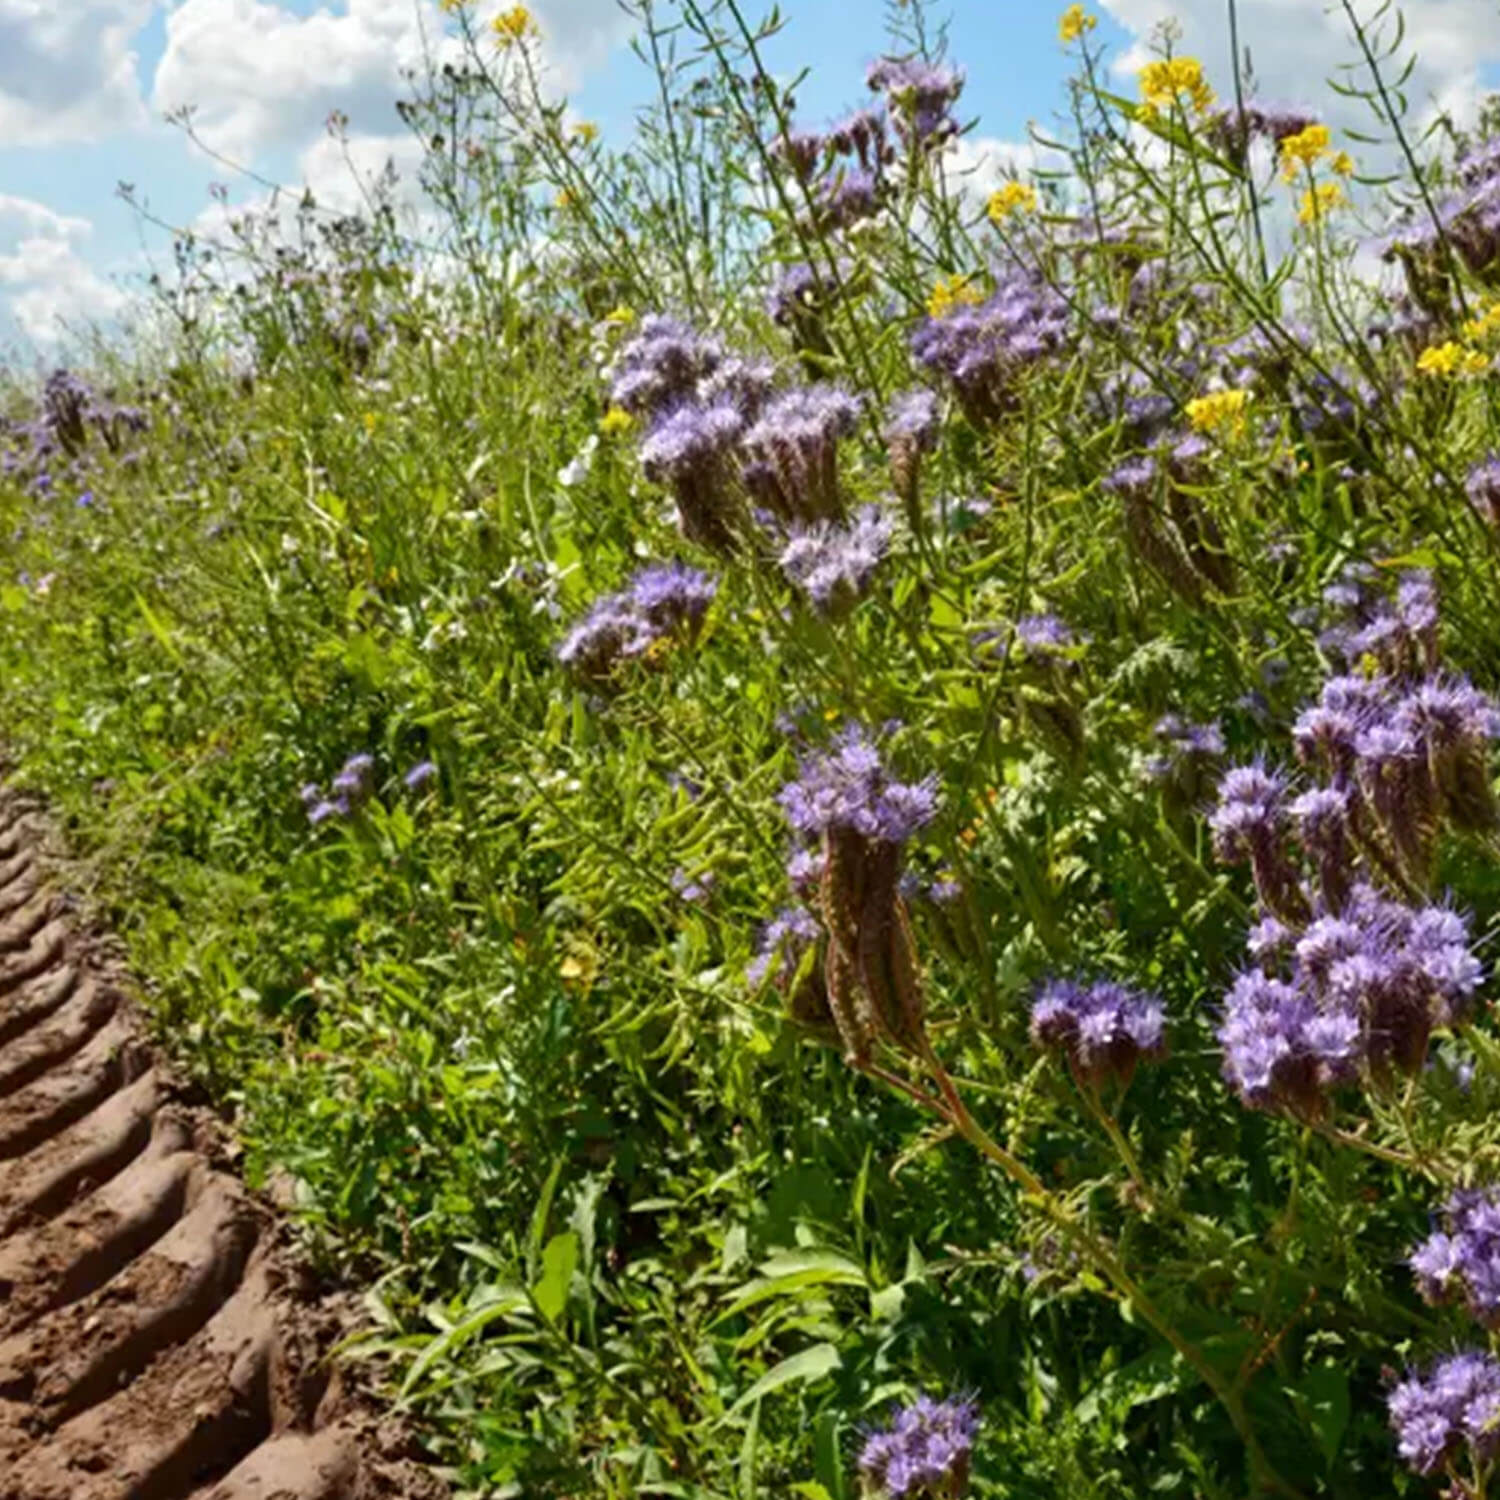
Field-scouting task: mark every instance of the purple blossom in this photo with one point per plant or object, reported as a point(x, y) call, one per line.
point(783, 941)
point(1462, 1259)
point(1483, 487)
point(1104, 1028)
point(848, 788)
point(661, 366)
point(983, 350)
point(419, 775)
point(1454, 1404)
point(924, 1451)
point(662, 599)
point(832, 563)
point(920, 96)
point(796, 440)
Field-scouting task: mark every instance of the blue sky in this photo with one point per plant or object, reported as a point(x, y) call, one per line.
point(83, 84)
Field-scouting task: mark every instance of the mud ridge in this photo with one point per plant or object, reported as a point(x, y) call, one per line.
point(159, 1337)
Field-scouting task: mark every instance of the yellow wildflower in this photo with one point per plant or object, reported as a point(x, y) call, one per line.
point(1449, 359)
point(1319, 201)
point(564, 199)
point(1305, 149)
point(1487, 323)
point(1166, 80)
point(1219, 411)
point(1474, 362)
point(1014, 197)
point(586, 132)
point(621, 316)
point(949, 292)
point(1343, 164)
point(616, 419)
point(513, 25)
point(1074, 22)
point(370, 423)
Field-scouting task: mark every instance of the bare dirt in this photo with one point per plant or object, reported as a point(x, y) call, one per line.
point(159, 1337)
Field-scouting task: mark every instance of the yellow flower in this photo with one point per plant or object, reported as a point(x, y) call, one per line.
point(370, 422)
point(1014, 197)
point(1343, 164)
point(616, 419)
point(1474, 362)
point(1487, 323)
point(621, 316)
point(1441, 359)
point(1219, 411)
point(1319, 201)
point(1074, 22)
point(1167, 79)
point(586, 132)
point(949, 292)
point(564, 199)
point(1306, 149)
point(513, 25)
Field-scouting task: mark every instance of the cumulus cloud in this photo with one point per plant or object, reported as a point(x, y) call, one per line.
point(68, 69)
point(48, 287)
point(260, 76)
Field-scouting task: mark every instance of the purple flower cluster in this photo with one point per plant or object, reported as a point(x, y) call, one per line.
point(1400, 633)
point(1462, 1259)
point(1358, 990)
point(1467, 218)
point(348, 790)
point(53, 448)
point(1104, 1029)
point(983, 349)
point(1483, 487)
point(661, 600)
point(782, 942)
point(910, 430)
point(924, 1452)
point(847, 788)
point(1232, 130)
point(1183, 746)
point(843, 171)
point(920, 96)
point(1454, 1405)
point(794, 452)
point(831, 563)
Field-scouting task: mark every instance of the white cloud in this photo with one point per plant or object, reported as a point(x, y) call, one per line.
point(262, 77)
point(68, 71)
point(49, 289)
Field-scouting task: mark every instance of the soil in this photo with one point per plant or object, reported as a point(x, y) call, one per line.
point(160, 1339)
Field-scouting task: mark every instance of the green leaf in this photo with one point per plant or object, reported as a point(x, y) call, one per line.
point(559, 1261)
point(507, 1300)
point(811, 1364)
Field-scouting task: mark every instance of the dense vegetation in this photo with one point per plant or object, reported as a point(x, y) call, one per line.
point(775, 788)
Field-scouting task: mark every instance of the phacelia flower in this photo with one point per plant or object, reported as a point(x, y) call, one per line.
point(848, 788)
point(1461, 1261)
point(923, 1452)
point(920, 96)
point(1104, 1029)
point(1452, 1406)
point(796, 441)
point(832, 563)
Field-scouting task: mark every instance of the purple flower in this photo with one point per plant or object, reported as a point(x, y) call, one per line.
point(661, 599)
point(783, 941)
point(1455, 1403)
point(1463, 1258)
point(912, 418)
point(847, 788)
point(832, 563)
point(353, 781)
point(796, 440)
point(420, 774)
point(1483, 487)
point(926, 1445)
point(920, 95)
point(661, 366)
point(1104, 1028)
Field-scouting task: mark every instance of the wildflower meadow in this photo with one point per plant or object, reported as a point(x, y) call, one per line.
point(835, 829)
